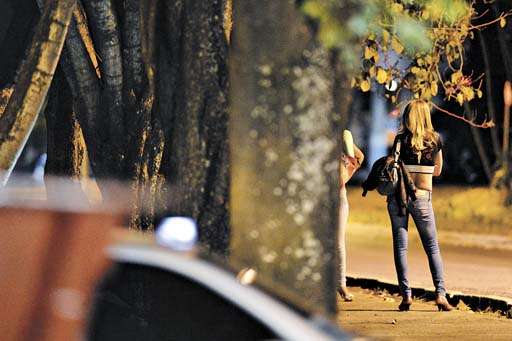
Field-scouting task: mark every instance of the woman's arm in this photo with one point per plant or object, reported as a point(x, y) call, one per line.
point(358, 154)
point(438, 163)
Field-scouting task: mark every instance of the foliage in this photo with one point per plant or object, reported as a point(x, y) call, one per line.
point(416, 45)
point(5, 94)
point(466, 209)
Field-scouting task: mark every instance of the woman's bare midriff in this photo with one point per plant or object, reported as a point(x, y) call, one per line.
point(422, 181)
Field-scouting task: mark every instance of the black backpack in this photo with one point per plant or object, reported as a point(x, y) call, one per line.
point(384, 175)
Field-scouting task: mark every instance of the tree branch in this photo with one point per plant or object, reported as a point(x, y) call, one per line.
point(80, 72)
point(66, 152)
point(477, 139)
point(32, 82)
point(488, 95)
point(132, 49)
point(106, 39)
point(485, 124)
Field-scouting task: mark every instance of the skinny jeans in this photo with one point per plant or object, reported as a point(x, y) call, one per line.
point(423, 215)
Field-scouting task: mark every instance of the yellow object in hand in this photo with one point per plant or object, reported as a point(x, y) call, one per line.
point(348, 143)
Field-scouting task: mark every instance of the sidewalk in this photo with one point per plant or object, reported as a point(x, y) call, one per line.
point(468, 269)
point(375, 315)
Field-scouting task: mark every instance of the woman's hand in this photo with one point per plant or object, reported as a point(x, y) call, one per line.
point(358, 155)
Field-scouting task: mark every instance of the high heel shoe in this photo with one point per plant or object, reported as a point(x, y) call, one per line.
point(406, 304)
point(442, 304)
point(345, 295)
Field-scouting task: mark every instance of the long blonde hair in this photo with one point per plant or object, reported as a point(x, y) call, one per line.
point(416, 120)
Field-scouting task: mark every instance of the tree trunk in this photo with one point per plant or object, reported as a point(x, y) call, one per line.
point(152, 107)
point(32, 83)
point(104, 26)
point(284, 151)
point(489, 98)
point(66, 152)
point(191, 103)
point(168, 63)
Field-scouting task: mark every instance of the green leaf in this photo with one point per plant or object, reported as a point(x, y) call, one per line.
point(413, 35)
point(449, 11)
point(314, 9)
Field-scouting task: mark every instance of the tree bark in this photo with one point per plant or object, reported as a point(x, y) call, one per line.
point(153, 106)
point(192, 103)
point(284, 151)
point(66, 152)
point(106, 36)
point(488, 95)
point(32, 83)
point(480, 147)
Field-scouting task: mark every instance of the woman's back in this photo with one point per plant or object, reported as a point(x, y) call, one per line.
point(424, 158)
point(422, 165)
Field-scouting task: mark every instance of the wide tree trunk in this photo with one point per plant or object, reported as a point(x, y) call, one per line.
point(153, 106)
point(192, 85)
point(149, 85)
point(284, 151)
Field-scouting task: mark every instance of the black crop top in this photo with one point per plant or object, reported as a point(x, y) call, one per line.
point(409, 157)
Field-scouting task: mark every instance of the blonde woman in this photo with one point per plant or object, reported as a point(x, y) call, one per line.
point(422, 155)
point(351, 160)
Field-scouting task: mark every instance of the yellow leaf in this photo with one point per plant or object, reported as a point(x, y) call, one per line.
point(353, 82)
point(468, 92)
point(365, 86)
point(460, 98)
point(425, 94)
point(385, 37)
point(372, 71)
point(371, 53)
point(395, 44)
point(397, 8)
point(415, 70)
point(433, 88)
point(503, 22)
point(367, 53)
point(456, 77)
point(479, 93)
point(382, 76)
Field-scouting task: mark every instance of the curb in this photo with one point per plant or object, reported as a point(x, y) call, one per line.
point(476, 303)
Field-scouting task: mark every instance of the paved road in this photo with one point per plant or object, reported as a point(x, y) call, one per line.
point(471, 270)
point(375, 315)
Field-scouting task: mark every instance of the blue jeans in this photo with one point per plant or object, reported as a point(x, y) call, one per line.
point(423, 215)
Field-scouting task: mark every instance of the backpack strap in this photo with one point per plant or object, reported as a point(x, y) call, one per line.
point(396, 153)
